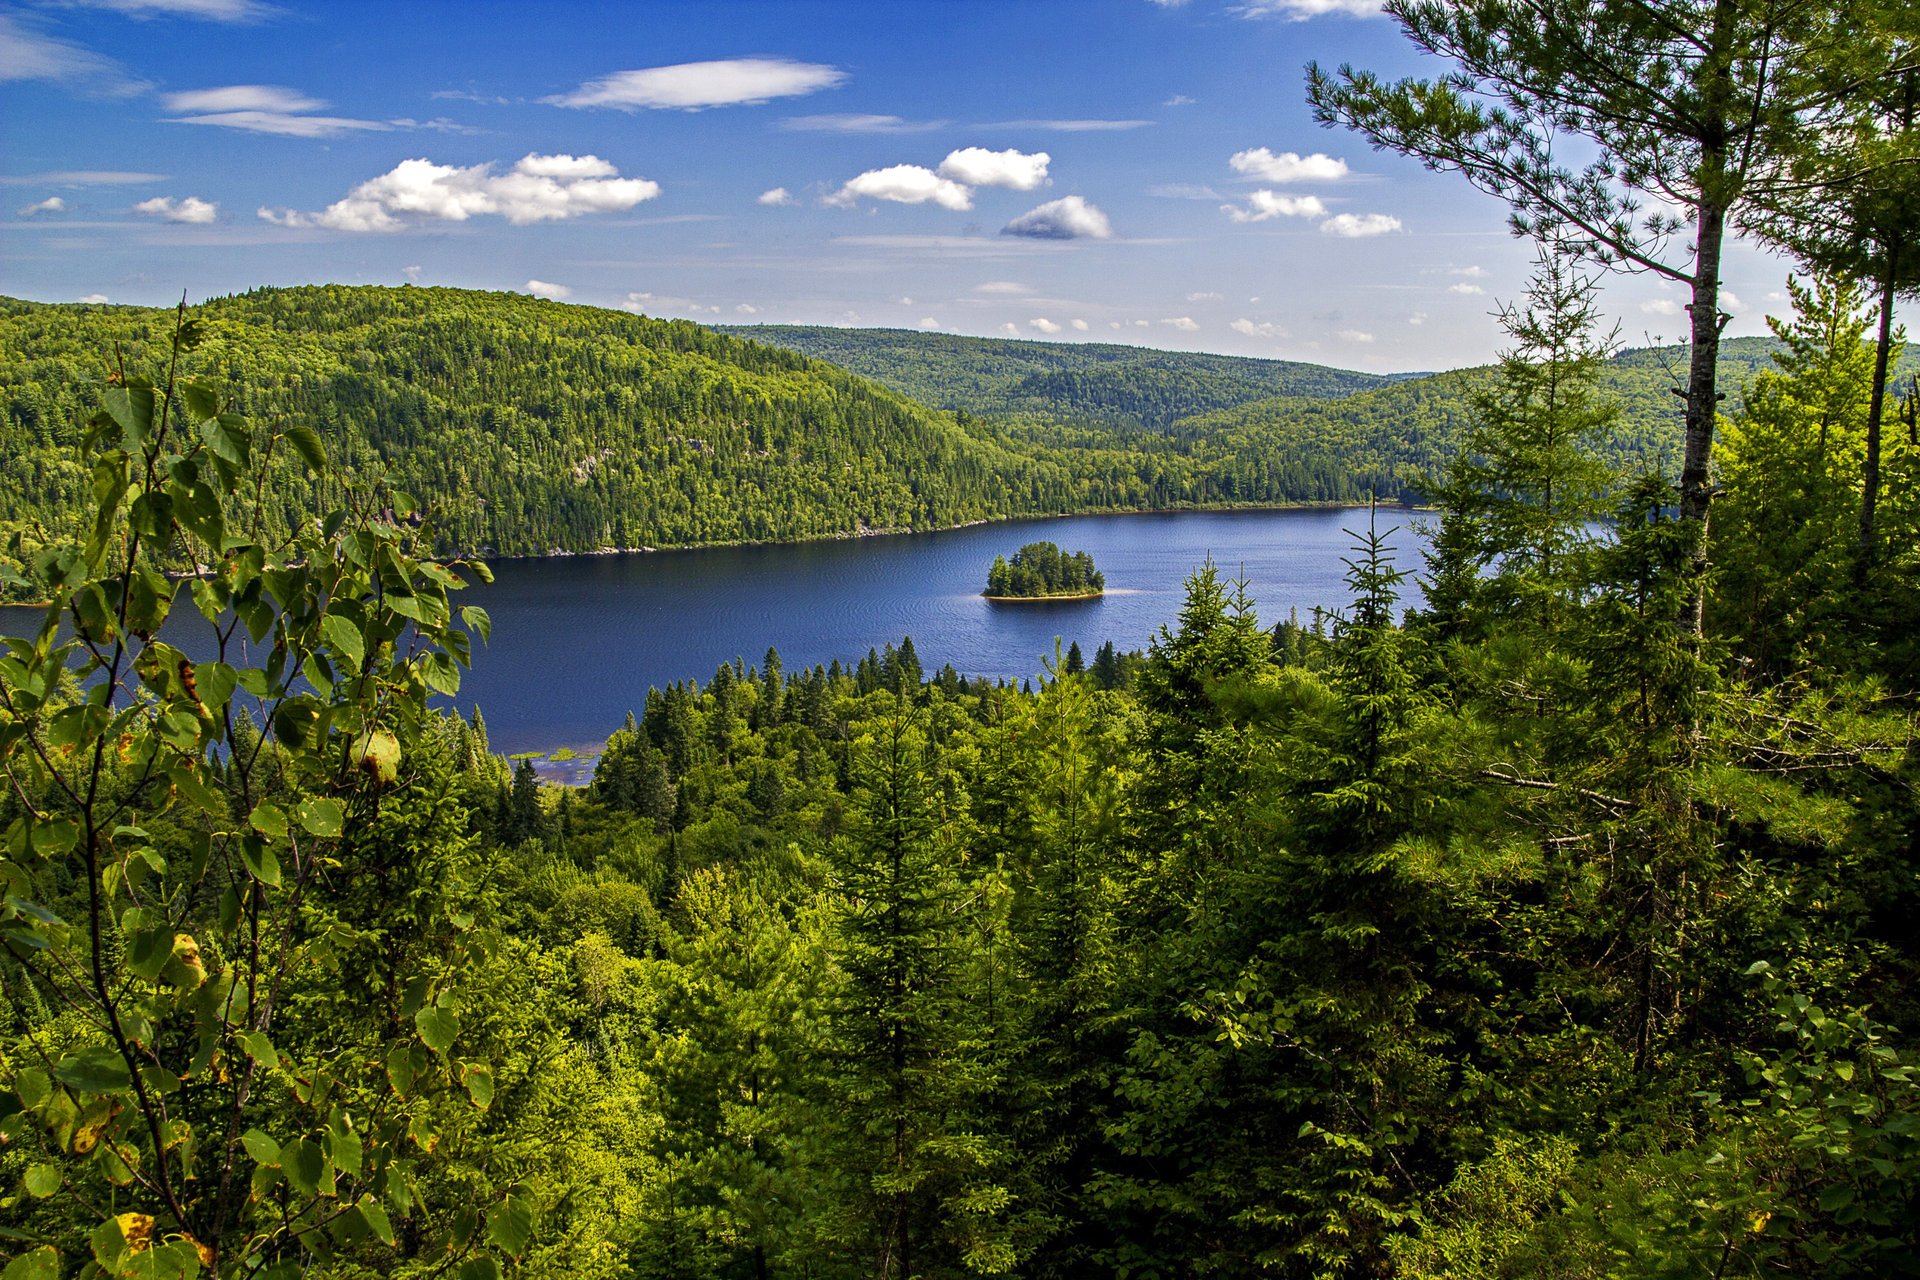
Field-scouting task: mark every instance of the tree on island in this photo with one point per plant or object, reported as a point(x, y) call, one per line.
point(1041, 569)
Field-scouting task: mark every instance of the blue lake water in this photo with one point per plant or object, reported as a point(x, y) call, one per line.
point(578, 640)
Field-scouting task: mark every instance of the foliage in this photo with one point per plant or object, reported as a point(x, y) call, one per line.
point(1041, 569)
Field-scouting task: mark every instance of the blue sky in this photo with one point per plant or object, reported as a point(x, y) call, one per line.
point(1107, 170)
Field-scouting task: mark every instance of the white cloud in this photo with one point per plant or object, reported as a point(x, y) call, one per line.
point(281, 125)
point(546, 289)
point(1178, 99)
point(1171, 4)
point(1730, 302)
point(689, 86)
point(659, 304)
point(746, 309)
point(904, 184)
point(1143, 324)
point(1206, 296)
point(1661, 307)
point(1417, 318)
point(1262, 205)
point(1183, 191)
point(185, 209)
point(262, 108)
point(240, 97)
point(1081, 325)
point(1043, 324)
point(1185, 324)
point(209, 10)
point(1001, 287)
point(775, 196)
point(978, 167)
point(1471, 273)
point(1354, 335)
point(1466, 290)
point(30, 54)
point(1011, 329)
point(1071, 126)
point(857, 122)
point(1264, 329)
point(1068, 218)
point(52, 204)
point(81, 178)
point(1357, 225)
point(1288, 166)
point(537, 189)
point(928, 322)
point(411, 273)
point(93, 298)
point(1301, 10)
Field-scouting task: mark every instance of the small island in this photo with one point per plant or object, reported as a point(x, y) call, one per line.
point(1042, 571)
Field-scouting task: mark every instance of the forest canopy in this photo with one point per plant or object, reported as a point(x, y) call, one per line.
point(1040, 570)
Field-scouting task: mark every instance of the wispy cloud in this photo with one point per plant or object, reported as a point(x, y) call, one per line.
point(1301, 10)
point(52, 204)
point(1070, 126)
point(82, 178)
point(775, 196)
point(691, 86)
point(206, 10)
point(28, 53)
point(266, 108)
point(539, 188)
point(857, 122)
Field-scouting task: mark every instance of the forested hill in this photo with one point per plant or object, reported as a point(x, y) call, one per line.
point(1102, 383)
point(526, 425)
point(1398, 431)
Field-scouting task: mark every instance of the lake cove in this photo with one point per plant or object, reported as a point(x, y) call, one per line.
point(578, 640)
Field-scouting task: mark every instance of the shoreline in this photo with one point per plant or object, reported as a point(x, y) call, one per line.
point(1082, 595)
point(868, 531)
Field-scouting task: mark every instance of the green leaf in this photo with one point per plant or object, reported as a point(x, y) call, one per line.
point(259, 1048)
point(306, 442)
point(98, 1069)
point(261, 861)
point(40, 1264)
point(261, 1147)
point(511, 1223)
point(304, 1164)
point(322, 816)
point(202, 401)
point(477, 622)
point(269, 819)
point(376, 1219)
point(480, 1269)
point(438, 1028)
point(479, 1083)
point(344, 635)
point(43, 1180)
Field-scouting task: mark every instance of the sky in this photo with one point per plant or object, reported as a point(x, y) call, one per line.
point(1138, 171)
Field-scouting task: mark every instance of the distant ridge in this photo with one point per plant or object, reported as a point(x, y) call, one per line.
point(1106, 383)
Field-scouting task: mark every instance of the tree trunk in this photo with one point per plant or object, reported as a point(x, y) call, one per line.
point(1703, 404)
point(1876, 408)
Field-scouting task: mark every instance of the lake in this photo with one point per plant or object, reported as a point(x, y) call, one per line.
point(578, 640)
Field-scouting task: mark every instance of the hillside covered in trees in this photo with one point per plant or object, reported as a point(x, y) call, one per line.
point(528, 427)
